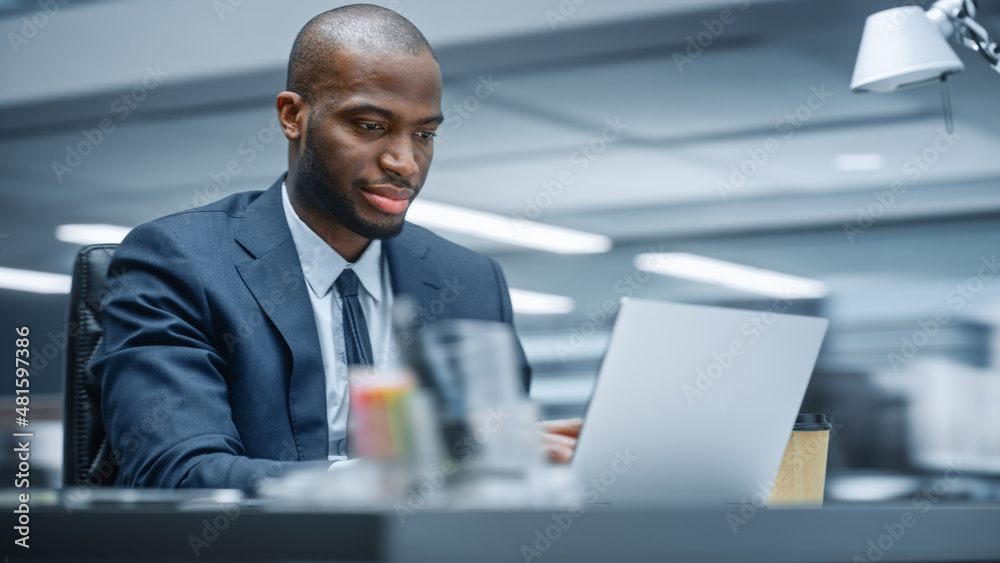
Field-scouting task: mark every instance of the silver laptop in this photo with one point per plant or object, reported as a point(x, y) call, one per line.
point(694, 405)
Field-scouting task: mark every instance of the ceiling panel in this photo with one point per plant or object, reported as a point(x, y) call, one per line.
point(732, 90)
point(657, 181)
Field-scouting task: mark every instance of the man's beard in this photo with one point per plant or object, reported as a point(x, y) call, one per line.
point(316, 188)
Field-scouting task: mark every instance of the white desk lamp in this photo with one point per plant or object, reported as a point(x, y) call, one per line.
point(907, 46)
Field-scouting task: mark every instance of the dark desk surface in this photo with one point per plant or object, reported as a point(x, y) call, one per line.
point(845, 533)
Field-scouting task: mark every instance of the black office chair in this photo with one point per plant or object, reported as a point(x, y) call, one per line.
point(87, 456)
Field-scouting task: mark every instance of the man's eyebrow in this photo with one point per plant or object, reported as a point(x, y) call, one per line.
point(370, 108)
point(387, 113)
point(438, 119)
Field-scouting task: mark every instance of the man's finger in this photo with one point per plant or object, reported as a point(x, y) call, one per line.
point(560, 448)
point(564, 426)
point(560, 439)
point(559, 453)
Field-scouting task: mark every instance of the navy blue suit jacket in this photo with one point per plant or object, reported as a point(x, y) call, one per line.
point(211, 369)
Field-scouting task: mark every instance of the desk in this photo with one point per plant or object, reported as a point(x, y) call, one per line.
point(953, 532)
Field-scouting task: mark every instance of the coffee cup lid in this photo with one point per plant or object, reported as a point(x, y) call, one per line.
point(811, 422)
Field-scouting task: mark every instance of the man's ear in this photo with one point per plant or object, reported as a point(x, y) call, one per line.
point(293, 112)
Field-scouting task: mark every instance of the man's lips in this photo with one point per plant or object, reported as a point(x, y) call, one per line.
point(388, 199)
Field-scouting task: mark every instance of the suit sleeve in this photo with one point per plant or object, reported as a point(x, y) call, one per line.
point(164, 397)
point(507, 316)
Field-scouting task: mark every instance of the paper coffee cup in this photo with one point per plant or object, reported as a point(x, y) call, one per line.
point(802, 475)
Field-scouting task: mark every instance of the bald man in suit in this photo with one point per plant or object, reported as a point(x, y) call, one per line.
point(228, 317)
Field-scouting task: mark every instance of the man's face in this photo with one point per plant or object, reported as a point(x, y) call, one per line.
point(369, 139)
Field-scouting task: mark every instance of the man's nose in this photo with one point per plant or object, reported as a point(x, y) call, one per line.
point(399, 158)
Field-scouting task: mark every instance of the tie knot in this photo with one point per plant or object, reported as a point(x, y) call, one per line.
point(347, 283)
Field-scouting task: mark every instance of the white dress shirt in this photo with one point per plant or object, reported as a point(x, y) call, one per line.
point(321, 266)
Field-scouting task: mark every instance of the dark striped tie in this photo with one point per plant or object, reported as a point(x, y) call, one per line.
point(357, 345)
point(356, 341)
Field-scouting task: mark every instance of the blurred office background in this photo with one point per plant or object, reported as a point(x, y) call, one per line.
point(719, 129)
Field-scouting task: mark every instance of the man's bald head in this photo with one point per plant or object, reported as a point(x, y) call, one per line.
point(361, 27)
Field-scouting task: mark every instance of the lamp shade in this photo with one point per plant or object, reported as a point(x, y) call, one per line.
point(901, 47)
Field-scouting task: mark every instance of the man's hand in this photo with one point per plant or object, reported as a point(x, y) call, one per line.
point(560, 438)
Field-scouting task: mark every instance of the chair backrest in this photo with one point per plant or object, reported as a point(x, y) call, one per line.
point(87, 456)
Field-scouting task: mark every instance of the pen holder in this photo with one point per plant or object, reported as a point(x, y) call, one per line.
point(393, 427)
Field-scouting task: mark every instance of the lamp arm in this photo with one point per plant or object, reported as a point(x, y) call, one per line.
point(959, 19)
point(975, 37)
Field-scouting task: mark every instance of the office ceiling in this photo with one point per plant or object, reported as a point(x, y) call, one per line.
point(685, 125)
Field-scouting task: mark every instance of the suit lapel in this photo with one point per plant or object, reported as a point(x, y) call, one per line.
point(275, 276)
point(412, 272)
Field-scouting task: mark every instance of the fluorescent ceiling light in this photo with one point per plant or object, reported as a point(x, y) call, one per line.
point(861, 162)
point(505, 229)
point(534, 303)
point(35, 282)
point(91, 234)
point(728, 274)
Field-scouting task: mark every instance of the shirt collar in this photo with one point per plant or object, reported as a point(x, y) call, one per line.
point(321, 264)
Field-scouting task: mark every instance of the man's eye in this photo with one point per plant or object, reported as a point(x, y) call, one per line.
point(371, 126)
point(427, 135)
